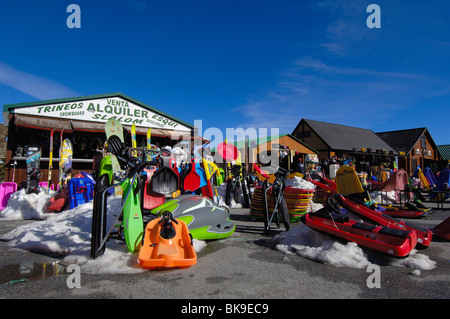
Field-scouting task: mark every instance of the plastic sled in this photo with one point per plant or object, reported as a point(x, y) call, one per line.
point(356, 206)
point(393, 242)
point(58, 202)
point(190, 179)
point(440, 193)
point(430, 177)
point(167, 244)
point(164, 181)
point(81, 191)
point(442, 230)
point(6, 190)
point(151, 199)
point(347, 181)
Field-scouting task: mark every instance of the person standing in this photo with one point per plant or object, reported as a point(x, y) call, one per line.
point(300, 167)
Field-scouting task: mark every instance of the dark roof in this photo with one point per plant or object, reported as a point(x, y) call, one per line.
point(444, 150)
point(342, 137)
point(404, 140)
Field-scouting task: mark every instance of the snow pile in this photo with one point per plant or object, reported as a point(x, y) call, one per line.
point(219, 199)
point(69, 233)
point(314, 207)
point(388, 198)
point(310, 244)
point(298, 182)
point(383, 197)
point(26, 206)
point(316, 246)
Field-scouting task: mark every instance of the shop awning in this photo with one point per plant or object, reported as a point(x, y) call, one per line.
point(39, 122)
point(50, 123)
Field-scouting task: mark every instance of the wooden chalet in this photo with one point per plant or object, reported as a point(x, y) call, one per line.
point(416, 145)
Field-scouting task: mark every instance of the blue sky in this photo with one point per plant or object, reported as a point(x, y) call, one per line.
point(239, 63)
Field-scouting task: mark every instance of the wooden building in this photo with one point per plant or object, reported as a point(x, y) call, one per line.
point(285, 148)
point(82, 120)
point(418, 147)
point(347, 144)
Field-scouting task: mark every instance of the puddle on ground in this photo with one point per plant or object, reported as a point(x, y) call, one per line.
point(29, 271)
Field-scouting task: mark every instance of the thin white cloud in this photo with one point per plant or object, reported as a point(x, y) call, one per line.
point(316, 90)
point(347, 29)
point(322, 67)
point(33, 85)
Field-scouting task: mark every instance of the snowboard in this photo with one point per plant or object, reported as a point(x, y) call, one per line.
point(33, 158)
point(114, 127)
point(65, 162)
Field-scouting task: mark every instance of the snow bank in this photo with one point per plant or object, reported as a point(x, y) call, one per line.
point(298, 182)
point(310, 244)
point(316, 246)
point(69, 233)
point(26, 206)
point(220, 198)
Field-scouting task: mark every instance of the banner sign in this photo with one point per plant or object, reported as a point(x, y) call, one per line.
point(103, 109)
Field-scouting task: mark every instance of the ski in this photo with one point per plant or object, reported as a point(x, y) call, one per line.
point(65, 162)
point(50, 162)
point(133, 141)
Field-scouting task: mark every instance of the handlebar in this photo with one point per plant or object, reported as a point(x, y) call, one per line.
point(125, 160)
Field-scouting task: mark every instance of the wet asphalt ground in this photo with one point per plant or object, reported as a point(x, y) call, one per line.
point(245, 267)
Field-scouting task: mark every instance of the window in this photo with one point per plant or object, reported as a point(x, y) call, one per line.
point(423, 142)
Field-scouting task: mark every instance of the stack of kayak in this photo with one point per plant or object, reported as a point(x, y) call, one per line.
point(348, 215)
point(297, 201)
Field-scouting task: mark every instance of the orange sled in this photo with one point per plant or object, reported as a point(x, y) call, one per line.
point(167, 244)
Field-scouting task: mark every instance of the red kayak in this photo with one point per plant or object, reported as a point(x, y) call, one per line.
point(423, 235)
point(394, 242)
